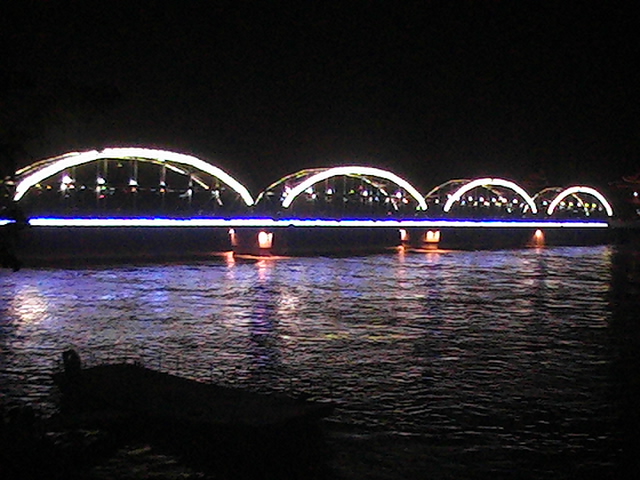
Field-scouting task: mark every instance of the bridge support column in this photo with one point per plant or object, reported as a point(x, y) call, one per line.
point(312, 240)
point(420, 238)
point(252, 241)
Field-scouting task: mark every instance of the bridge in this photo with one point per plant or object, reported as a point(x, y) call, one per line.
point(143, 189)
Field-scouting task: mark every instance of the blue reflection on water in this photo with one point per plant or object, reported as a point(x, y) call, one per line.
point(503, 356)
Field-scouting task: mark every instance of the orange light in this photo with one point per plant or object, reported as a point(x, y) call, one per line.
point(404, 235)
point(432, 236)
point(265, 239)
point(538, 238)
point(233, 237)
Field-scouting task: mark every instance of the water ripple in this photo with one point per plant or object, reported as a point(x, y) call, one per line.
point(496, 352)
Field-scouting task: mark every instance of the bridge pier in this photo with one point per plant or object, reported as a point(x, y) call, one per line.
point(420, 238)
point(470, 238)
point(156, 239)
point(252, 241)
point(576, 236)
point(312, 240)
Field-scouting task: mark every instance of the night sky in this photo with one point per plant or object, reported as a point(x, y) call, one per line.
point(430, 90)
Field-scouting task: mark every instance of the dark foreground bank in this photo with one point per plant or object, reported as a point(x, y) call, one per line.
point(127, 421)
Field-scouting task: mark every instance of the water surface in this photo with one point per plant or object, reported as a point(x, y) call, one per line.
point(516, 364)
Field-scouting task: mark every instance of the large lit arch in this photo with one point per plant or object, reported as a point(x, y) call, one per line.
point(52, 166)
point(580, 189)
point(481, 182)
point(353, 170)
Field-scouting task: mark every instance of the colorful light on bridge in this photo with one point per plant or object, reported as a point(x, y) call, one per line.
point(180, 163)
point(59, 164)
point(482, 182)
point(579, 189)
point(353, 170)
point(304, 222)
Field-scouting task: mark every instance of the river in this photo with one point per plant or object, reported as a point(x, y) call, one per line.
point(447, 364)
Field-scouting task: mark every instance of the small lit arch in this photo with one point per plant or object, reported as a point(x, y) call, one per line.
point(446, 186)
point(542, 197)
point(481, 182)
point(580, 189)
point(40, 171)
point(353, 170)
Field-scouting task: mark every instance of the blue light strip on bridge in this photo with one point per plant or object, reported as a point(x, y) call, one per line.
point(296, 222)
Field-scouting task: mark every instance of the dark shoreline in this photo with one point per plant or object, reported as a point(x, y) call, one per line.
point(207, 431)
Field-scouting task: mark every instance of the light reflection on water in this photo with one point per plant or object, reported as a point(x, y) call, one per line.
point(502, 354)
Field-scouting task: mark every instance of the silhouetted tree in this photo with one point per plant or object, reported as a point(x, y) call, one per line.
point(28, 111)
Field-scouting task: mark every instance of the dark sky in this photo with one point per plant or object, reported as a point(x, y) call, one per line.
point(429, 90)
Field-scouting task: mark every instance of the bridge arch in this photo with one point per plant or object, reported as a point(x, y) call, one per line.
point(181, 163)
point(357, 171)
point(575, 191)
point(486, 182)
point(438, 195)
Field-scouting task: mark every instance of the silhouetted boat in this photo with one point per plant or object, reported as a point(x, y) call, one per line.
point(233, 432)
point(137, 390)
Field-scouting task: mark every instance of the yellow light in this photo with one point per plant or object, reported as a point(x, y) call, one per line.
point(404, 235)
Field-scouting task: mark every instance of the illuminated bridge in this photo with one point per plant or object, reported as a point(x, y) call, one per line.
point(118, 198)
